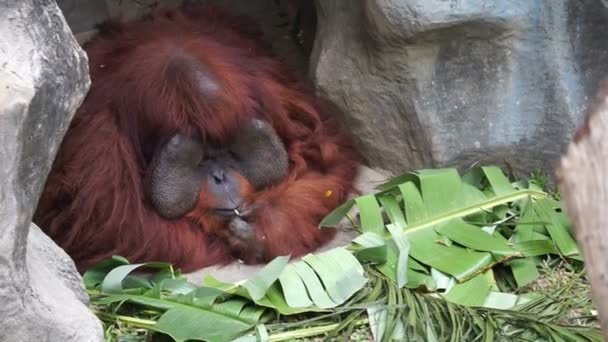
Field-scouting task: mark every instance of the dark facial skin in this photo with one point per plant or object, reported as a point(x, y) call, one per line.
point(183, 165)
point(260, 155)
point(173, 173)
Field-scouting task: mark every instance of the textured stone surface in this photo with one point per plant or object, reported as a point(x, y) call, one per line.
point(275, 20)
point(43, 79)
point(128, 10)
point(433, 82)
point(85, 15)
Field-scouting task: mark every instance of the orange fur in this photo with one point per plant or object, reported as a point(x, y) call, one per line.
point(94, 203)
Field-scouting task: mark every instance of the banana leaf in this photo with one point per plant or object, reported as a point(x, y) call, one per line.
point(437, 221)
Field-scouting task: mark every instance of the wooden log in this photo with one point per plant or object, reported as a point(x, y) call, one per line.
point(583, 183)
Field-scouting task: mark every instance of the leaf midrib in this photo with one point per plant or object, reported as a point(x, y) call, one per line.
point(173, 305)
point(490, 203)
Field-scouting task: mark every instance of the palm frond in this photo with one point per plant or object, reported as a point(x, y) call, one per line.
point(439, 223)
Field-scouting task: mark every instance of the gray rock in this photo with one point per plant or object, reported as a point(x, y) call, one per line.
point(43, 79)
point(274, 20)
point(128, 10)
point(446, 83)
point(84, 16)
point(56, 305)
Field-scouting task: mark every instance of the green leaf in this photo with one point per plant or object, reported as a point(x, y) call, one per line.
point(371, 216)
point(262, 280)
point(94, 276)
point(401, 244)
point(326, 279)
point(499, 182)
point(440, 190)
point(315, 289)
point(442, 280)
point(113, 282)
point(527, 223)
point(372, 255)
point(414, 207)
point(500, 300)
point(474, 176)
point(391, 207)
point(369, 240)
point(566, 244)
point(453, 260)
point(340, 272)
point(194, 316)
point(261, 333)
point(470, 293)
point(164, 274)
point(415, 265)
point(172, 286)
point(390, 267)
point(377, 321)
point(201, 296)
point(417, 279)
point(532, 248)
point(396, 181)
point(403, 247)
point(188, 323)
point(373, 248)
point(334, 218)
point(275, 299)
point(435, 202)
point(475, 238)
point(524, 271)
point(294, 290)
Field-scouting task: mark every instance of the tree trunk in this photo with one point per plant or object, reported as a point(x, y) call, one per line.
point(583, 182)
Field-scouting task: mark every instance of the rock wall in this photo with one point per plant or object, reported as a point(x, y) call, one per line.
point(43, 79)
point(447, 83)
point(274, 18)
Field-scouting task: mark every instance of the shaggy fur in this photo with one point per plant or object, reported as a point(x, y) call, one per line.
point(150, 79)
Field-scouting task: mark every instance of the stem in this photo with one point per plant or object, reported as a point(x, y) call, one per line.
point(485, 205)
point(287, 335)
point(309, 332)
point(92, 292)
point(136, 322)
